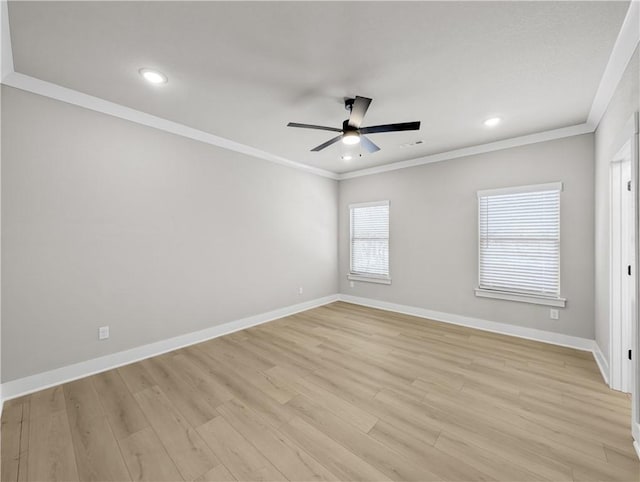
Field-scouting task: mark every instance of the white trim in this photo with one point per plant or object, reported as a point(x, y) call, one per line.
point(30, 384)
point(40, 381)
point(369, 279)
point(601, 361)
point(369, 204)
point(637, 447)
point(623, 50)
point(620, 255)
point(635, 331)
point(522, 297)
point(54, 91)
point(553, 338)
point(6, 52)
point(549, 186)
point(473, 150)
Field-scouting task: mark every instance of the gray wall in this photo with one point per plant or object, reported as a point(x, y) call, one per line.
point(109, 222)
point(106, 222)
point(625, 102)
point(433, 232)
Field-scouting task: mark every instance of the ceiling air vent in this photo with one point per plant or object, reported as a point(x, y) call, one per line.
point(411, 144)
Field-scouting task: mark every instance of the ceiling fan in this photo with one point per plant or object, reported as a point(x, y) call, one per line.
point(351, 132)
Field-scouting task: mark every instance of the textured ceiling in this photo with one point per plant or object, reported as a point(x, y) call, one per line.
point(242, 70)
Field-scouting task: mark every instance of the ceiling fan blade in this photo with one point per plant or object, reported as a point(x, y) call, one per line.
point(358, 110)
point(327, 144)
point(402, 126)
point(311, 126)
point(368, 145)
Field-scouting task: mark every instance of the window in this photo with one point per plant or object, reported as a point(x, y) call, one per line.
point(519, 244)
point(370, 242)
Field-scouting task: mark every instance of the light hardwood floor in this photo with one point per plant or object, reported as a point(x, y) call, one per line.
point(340, 392)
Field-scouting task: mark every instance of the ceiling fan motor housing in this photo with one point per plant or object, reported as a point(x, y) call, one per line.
point(347, 128)
point(348, 104)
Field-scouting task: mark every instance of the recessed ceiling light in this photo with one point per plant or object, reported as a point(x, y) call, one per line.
point(492, 122)
point(153, 76)
point(346, 157)
point(351, 138)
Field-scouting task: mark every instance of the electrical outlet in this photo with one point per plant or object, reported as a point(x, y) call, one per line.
point(554, 314)
point(300, 290)
point(103, 332)
point(351, 284)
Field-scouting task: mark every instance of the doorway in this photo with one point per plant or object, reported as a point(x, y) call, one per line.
point(624, 346)
point(622, 268)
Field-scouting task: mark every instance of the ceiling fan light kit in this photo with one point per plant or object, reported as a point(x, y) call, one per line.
point(352, 132)
point(351, 137)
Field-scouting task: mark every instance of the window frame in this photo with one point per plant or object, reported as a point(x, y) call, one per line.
point(515, 295)
point(369, 278)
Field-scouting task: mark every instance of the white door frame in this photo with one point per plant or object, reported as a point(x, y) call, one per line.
point(635, 332)
point(629, 136)
point(621, 264)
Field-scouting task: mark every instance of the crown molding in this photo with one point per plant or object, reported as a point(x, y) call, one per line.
point(478, 149)
point(8, 76)
point(70, 96)
point(623, 49)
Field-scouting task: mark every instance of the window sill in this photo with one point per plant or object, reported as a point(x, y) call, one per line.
point(369, 279)
point(537, 300)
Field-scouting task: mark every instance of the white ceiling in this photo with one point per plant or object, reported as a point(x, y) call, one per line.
point(242, 70)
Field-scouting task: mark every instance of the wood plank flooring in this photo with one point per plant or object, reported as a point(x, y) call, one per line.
point(341, 392)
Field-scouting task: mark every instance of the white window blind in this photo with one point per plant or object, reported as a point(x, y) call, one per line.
point(519, 235)
point(370, 239)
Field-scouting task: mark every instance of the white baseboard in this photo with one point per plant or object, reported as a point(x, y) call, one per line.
point(40, 381)
point(637, 447)
point(603, 365)
point(553, 338)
